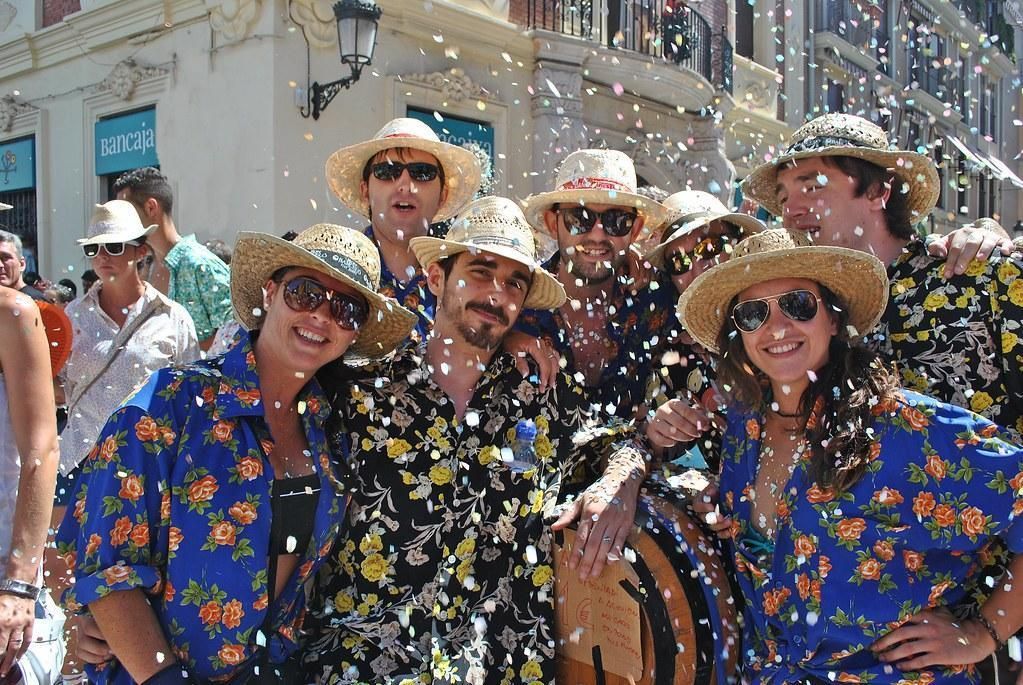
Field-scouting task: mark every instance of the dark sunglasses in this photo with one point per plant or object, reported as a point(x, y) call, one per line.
point(616, 222)
point(423, 172)
point(679, 263)
point(112, 249)
point(798, 305)
point(303, 294)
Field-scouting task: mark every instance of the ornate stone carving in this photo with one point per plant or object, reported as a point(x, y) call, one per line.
point(7, 14)
point(557, 91)
point(1014, 13)
point(454, 84)
point(10, 108)
point(126, 75)
point(233, 18)
point(316, 17)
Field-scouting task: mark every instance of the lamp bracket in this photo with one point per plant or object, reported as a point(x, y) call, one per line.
point(321, 94)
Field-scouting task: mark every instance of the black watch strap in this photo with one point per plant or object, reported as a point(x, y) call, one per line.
point(19, 588)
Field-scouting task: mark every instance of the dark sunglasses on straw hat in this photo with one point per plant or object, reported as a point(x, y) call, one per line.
point(421, 172)
point(305, 294)
point(798, 305)
point(616, 222)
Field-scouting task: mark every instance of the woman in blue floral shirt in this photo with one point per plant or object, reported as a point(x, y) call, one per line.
point(175, 524)
point(857, 510)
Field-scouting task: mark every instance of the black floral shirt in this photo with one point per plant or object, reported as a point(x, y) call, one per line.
point(958, 339)
point(446, 571)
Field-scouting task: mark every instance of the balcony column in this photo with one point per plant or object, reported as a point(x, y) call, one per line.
point(705, 164)
point(557, 105)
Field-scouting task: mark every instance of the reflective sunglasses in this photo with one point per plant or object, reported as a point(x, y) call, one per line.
point(423, 172)
point(303, 294)
point(112, 249)
point(616, 222)
point(711, 247)
point(798, 305)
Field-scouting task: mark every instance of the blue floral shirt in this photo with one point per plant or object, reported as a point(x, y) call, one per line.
point(175, 499)
point(201, 282)
point(412, 294)
point(847, 569)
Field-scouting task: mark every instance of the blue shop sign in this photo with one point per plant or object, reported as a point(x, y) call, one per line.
point(456, 130)
point(18, 164)
point(126, 142)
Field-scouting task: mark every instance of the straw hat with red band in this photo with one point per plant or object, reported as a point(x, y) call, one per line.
point(691, 210)
point(495, 225)
point(596, 177)
point(846, 135)
point(462, 171)
point(858, 279)
point(341, 253)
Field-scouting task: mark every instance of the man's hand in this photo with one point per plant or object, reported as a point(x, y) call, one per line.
point(606, 512)
point(706, 507)
point(934, 637)
point(92, 647)
point(679, 420)
point(17, 615)
point(519, 344)
point(972, 241)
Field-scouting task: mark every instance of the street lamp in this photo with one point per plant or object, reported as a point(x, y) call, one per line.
point(356, 37)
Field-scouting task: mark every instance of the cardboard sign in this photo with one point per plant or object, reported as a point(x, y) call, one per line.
point(598, 612)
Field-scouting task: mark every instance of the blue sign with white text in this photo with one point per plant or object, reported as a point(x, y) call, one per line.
point(126, 142)
point(18, 164)
point(456, 130)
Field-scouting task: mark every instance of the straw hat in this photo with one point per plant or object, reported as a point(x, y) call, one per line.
point(461, 167)
point(691, 210)
point(845, 135)
point(115, 222)
point(495, 225)
point(334, 251)
point(857, 278)
point(597, 177)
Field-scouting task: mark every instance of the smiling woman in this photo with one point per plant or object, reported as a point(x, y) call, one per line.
point(178, 520)
point(841, 486)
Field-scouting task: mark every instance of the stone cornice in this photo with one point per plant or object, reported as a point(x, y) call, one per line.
point(93, 29)
point(462, 29)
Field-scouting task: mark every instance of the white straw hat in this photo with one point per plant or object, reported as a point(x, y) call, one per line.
point(691, 210)
point(116, 221)
point(462, 171)
point(495, 225)
point(598, 177)
point(335, 251)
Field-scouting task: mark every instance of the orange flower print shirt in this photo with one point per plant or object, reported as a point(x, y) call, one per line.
point(847, 568)
point(175, 500)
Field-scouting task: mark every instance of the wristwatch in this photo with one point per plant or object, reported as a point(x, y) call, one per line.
point(19, 588)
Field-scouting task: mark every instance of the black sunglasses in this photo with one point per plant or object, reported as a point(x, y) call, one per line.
point(423, 172)
point(711, 247)
point(112, 249)
point(798, 305)
point(616, 222)
point(303, 294)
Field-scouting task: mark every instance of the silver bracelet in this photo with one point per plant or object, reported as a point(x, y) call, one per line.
point(19, 588)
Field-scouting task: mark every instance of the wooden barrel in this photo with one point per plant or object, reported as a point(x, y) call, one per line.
point(687, 628)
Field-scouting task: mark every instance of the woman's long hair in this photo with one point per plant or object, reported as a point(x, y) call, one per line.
point(848, 387)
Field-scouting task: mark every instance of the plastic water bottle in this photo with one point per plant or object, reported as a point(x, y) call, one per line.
point(523, 451)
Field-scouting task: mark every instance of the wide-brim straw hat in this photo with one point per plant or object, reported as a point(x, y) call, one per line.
point(341, 253)
point(858, 279)
point(846, 135)
point(596, 177)
point(691, 210)
point(116, 221)
point(462, 171)
point(497, 226)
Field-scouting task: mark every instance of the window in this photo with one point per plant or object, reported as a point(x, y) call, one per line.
point(965, 92)
point(941, 162)
point(834, 96)
point(962, 187)
point(744, 28)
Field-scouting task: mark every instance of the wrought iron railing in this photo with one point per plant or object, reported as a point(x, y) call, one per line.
point(859, 22)
point(665, 29)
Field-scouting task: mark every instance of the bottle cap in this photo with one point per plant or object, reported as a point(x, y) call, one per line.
point(525, 430)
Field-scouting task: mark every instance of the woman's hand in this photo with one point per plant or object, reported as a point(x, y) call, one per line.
point(17, 614)
point(934, 637)
point(679, 420)
point(519, 344)
point(706, 507)
point(606, 512)
point(92, 646)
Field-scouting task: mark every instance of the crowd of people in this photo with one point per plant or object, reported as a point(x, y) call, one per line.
point(343, 455)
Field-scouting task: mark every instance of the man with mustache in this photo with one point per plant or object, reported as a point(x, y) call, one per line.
point(603, 330)
point(446, 566)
